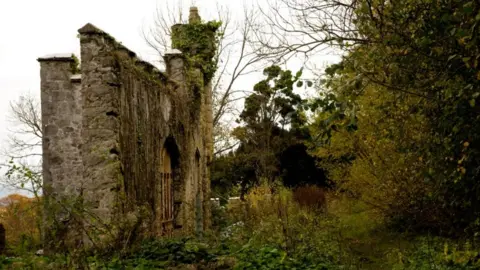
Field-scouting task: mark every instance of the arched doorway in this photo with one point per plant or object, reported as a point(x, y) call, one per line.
point(165, 202)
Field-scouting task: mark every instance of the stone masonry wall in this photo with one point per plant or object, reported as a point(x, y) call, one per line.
point(61, 120)
point(100, 131)
point(61, 125)
point(131, 112)
point(105, 130)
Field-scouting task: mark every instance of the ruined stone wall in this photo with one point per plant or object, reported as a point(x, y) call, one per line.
point(100, 131)
point(198, 40)
point(61, 113)
point(131, 110)
point(61, 124)
point(105, 131)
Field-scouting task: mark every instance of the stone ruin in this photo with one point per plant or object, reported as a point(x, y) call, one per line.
point(123, 139)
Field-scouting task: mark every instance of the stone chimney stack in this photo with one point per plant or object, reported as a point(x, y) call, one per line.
point(194, 17)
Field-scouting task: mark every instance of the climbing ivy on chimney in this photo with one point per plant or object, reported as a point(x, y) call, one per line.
point(198, 42)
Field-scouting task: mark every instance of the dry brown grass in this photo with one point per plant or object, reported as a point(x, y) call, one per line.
point(311, 197)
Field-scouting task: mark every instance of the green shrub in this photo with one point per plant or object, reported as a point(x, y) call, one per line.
point(439, 254)
point(219, 217)
point(157, 254)
point(181, 251)
point(268, 257)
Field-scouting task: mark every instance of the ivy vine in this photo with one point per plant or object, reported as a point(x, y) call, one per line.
point(198, 42)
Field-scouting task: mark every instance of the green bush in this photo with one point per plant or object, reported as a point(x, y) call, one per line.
point(439, 254)
point(268, 257)
point(155, 254)
point(182, 251)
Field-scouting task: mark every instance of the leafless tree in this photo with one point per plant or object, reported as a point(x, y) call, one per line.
point(22, 154)
point(25, 139)
point(291, 28)
point(235, 59)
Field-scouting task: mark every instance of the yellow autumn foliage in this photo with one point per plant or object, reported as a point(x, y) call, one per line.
point(21, 217)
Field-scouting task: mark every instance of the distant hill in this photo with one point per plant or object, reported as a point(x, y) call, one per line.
point(13, 198)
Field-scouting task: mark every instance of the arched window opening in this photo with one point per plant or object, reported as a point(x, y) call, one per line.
point(198, 197)
point(166, 178)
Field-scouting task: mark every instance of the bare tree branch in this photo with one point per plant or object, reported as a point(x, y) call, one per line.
point(22, 155)
point(235, 57)
point(288, 28)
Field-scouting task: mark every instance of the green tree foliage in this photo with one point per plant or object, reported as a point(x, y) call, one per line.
point(271, 138)
point(268, 112)
point(411, 88)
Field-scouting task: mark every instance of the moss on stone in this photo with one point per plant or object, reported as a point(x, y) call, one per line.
point(75, 65)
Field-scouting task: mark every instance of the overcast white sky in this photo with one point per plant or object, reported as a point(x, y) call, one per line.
point(33, 28)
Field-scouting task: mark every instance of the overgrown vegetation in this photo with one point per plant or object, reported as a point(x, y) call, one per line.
point(378, 171)
point(399, 118)
point(272, 230)
point(394, 127)
point(198, 42)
